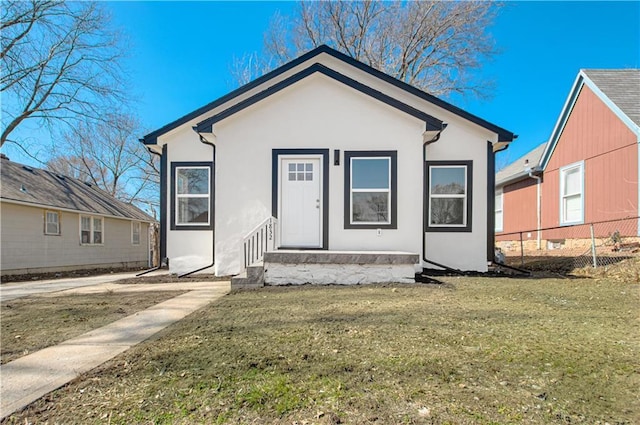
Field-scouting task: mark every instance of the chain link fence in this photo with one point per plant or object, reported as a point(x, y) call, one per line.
point(567, 248)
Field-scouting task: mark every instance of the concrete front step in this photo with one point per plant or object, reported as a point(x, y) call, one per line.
point(252, 277)
point(285, 267)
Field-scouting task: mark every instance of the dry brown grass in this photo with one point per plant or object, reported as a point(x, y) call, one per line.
point(33, 323)
point(471, 351)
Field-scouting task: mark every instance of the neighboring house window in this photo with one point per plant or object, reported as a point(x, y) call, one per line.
point(370, 189)
point(448, 190)
point(135, 232)
point(572, 194)
point(191, 196)
point(51, 223)
point(91, 229)
point(499, 214)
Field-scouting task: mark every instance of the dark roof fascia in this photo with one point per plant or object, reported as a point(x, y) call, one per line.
point(152, 138)
point(432, 124)
point(503, 135)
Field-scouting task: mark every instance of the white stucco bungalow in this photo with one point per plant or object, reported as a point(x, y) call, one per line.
point(340, 172)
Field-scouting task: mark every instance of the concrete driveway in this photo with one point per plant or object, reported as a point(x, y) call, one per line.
point(11, 291)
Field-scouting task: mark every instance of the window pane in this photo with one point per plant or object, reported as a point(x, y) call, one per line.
point(498, 220)
point(300, 167)
point(292, 176)
point(309, 176)
point(572, 181)
point(86, 223)
point(193, 181)
point(85, 236)
point(499, 201)
point(573, 208)
point(370, 173)
point(136, 233)
point(292, 167)
point(370, 207)
point(308, 167)
point(97, 237)
point(97, 224)
point(447, 180)
point(193, 210)
point(52, 228)
point(447, 211)
point(52, 217)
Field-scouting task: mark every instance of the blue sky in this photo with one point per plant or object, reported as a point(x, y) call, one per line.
point(181, 53)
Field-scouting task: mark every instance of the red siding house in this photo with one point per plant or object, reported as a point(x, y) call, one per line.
point(587, 172)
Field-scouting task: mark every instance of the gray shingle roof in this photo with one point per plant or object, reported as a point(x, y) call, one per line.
point(40, 187)
point(622, 86)
point(516, 168)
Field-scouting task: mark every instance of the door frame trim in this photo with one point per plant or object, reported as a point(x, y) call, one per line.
point(275, 175)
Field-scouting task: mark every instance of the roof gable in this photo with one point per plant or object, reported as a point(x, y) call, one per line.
point(431, 123)
point(34, 186)
point(152, 138)
point(622, 84)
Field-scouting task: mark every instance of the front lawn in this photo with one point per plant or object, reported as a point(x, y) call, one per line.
point(32, 323)
point(470, 351)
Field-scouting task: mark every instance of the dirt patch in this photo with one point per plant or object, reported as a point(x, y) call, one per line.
point(172, 278)
point(33, 323)
point(472, 351)
point(618, 268)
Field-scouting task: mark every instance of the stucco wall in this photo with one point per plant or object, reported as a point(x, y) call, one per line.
point(187, 250)
point(321, 113)
point(25, 247)
point(463, 250)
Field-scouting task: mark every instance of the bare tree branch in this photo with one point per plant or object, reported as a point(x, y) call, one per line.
point(107, 154)
point(60, 63)
point(434, 45)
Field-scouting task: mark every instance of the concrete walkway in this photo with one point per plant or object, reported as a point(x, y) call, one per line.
point(28, 378)
point(11, 291)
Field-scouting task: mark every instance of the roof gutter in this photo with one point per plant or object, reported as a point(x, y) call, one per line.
point(53, 207)
point(519, 176)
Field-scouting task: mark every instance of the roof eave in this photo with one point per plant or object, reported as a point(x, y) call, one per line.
point(503, 135)
point(524, 174)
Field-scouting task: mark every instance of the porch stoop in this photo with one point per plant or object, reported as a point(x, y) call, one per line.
point(284, 267)
point(252, 277)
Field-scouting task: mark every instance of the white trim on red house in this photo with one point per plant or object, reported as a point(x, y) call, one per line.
point(581, 80)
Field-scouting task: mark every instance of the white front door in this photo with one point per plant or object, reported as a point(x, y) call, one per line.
point(300, 202)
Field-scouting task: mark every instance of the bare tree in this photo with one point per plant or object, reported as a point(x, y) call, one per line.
point(433, 45)
point(107, 154)
point(59, 63)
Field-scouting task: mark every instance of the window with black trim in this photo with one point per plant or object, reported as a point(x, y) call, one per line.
point(370, 189)
point(448, 195)
point(191, 196)
point(52, 223)
point(91, 230)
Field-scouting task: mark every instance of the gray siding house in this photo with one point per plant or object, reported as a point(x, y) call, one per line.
point(53, 223)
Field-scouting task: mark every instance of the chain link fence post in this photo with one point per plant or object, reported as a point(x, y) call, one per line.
point(593, 247)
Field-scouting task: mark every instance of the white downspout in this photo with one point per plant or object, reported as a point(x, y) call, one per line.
point(538, 212)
